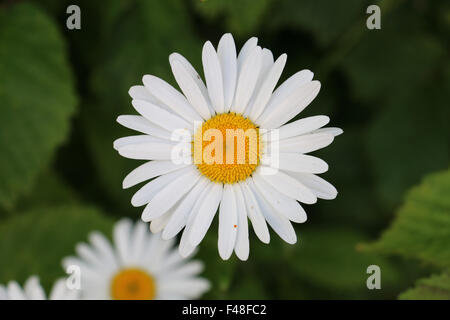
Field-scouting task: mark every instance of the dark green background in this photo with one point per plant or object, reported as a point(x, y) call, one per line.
point(61, 91)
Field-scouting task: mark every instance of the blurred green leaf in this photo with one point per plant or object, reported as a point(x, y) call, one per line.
point(421, 228)
point(34, 242)
point(140, 44)
point(407, 140)
point(49, 189)
point(327, 258)
point(241, 17)
point(37, 97)
point(437, 287)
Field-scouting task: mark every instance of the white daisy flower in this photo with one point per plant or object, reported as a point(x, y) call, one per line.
point(140, 266)
point(239, 94)
point(32, 290)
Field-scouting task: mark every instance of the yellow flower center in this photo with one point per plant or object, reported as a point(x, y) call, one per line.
point(226, 148)
point(133, 284)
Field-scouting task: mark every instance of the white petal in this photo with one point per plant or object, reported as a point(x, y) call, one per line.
point(170, 97)
point(149, 190)
point(133, 140)
point(213, 76)
point(265, 92)
point(266, 65)
point(139, 123)
point(180, 216)
point(150, 170)
point(242, 247)
point(104, 248)
point(170, 194)
point(320, 187)
point(330, 130)
point(289, 186)
point(15, 292)
point(227, 222)
point(89, 255)
point(292, 105)
point(205, 215)
point(301, 163)
point(245, 50)
point(247, 78)
point(188, 288)
point(122, 239)
point(287, 88)
point(186, 248)
point(60, 291)
point(279, 223)
point(141, 93)
point(254, 213)
point(148, 151)
point(284, 205)
point(33, 289)
point(302, 126)
point(161, 117)
point(194, 75)
point(305, 143)
point(158, 224)
point(138, 243)
point(189, 85)
point(226, 50)
point(3, 293)
point(186, 270)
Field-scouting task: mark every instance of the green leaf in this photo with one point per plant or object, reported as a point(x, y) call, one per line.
point(37, 97)
point(242, 17)
point(421, 228)
point(34, 242)
point(140, 44)
point(437, 287)
point(48, 190)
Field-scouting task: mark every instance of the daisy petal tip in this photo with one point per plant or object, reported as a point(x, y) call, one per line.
point(265, 239)
point(125, 184)
point(292, 240)
point(119, 119)
point(242, 256)
point(207, 47)
point(224, 256)
point(173, 57)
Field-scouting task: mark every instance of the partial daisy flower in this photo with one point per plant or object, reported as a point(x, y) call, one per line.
point(32, 290)
point(260, 174)
point(139, 266)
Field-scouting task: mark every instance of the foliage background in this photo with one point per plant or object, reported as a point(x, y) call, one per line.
point(61, 91)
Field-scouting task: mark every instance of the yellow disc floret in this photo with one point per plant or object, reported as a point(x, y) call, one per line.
point(226, 148)
point(133, 284)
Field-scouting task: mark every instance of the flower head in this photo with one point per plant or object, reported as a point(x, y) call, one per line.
point(140, 266)
point(228, 146)
point(32, 290)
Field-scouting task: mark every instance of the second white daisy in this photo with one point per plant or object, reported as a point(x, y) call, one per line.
point(32, 290)
point(140, 266)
